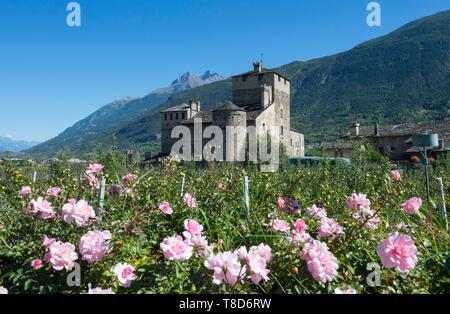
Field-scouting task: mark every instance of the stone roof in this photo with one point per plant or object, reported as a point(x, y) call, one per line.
point(229, 107)
point(440, 127)
point(206, 117)
point(181, 107)
point(262, 72)
point(340, 144)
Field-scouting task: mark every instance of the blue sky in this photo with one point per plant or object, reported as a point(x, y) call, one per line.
point(52, 75)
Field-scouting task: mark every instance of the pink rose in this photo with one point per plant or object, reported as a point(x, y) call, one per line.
point(165, 208)
point(279, 225)
point(395, 174)
point(94, 245)
point(46, 241)
point(192, 226)
point(94, 168)
point(25, 191)
point(227, 268)
point(398, 251)
point(190, 200)
point(36, 264)
point(176, 249)
point(412, 205)
point(42, 208)
point(316, 212)
point(61, 255)
point(300, 225)
point(281, 202)
point(322, 264)
point(54, 191)
point(80, 212)
point(93, 181)
point(125, 274)
point(129, 178)
point(329, 227)
point(358, 201)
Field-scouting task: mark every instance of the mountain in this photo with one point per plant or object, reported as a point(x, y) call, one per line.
point(401, 77)
point(93, 129)
point(8, 144)
point(188, 81)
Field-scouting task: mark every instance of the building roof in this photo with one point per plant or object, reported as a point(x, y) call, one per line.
point(408, 129)
point(340, 144)
point(262, 72)
point(181, 107)
point(229, 106)
point(206, 117)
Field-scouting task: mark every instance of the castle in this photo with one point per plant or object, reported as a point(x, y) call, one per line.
point(261, 98)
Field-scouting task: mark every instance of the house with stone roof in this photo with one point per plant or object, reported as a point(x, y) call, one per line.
point(393, 141)
point(260, 98)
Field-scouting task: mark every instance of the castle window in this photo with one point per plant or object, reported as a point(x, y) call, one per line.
point(176, 116)
point(165, 116)
point(279, 79)
point(281, 130)
point(292, 143)
point(244, 78)
point(285, 81)
point(171, 116)
point(183, 115)
point(281, 113)
point(264, 126)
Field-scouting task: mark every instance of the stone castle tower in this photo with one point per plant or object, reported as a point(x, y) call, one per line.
point(260, 98)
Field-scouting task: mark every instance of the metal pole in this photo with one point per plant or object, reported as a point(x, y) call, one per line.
point(442, 207)
point(427, 175)
point(245, 195)
point(182, 185)
point(102, 193)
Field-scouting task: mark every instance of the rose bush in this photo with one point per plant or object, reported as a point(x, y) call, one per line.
point(309, 230)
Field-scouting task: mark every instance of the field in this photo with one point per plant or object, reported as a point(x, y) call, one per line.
point(305, 230)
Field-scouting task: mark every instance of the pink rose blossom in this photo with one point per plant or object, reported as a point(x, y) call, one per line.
point(329, 228)
point(227, 268)
point(196, 240)
point(220, 186)
point(345, 291)
point(36, 264)
point(129, 178)
point(281, 202)
point(322, 264)
point(190, 200)
point(93, 181)
point(412, 205)
point(279, 225)
point(358, 201)
point(42, 208)
point(54, 191)
point(193, 227)
point(316, 212)
point(94, 245)
point(80, 212)
point(61, 255)
point(300, 225)
point(165, 208)
point(176, 249)
point(398, 251)
point(395, 174)
point(94, 168)
point(25, 191)
point(298, 238)
point(46, 241)
point(125, 274)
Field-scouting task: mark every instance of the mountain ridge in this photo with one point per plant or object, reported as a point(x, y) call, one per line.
point(395, 78)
